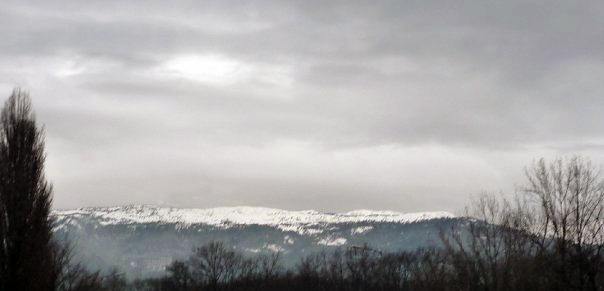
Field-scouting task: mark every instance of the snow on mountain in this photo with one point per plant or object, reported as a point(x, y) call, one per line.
point(334, 242)
point(306, 221)
point(141, 239)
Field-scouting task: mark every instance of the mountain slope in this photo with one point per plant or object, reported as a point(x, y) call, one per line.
point(140, 240)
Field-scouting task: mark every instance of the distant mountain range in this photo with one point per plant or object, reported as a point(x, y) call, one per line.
point(141, 240)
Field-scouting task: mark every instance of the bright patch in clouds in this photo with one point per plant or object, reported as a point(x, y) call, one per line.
point(68, 69)
point(268, 80)
point(214, 69)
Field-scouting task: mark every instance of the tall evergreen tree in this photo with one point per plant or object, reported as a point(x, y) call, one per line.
point(27, 253)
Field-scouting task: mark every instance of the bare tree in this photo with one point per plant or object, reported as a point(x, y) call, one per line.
point(488, 248)
point(568, 207)
point(214, 264)
point(269, 265)
point(555, 228)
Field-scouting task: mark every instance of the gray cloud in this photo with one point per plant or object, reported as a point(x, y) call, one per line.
point(414, 104)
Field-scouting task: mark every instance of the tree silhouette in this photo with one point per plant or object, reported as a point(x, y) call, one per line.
point(28, 255)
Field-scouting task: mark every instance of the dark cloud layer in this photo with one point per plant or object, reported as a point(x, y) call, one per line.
point(405, 105)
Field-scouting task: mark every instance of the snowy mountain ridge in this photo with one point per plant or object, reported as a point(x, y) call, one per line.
point(299, 221)
point(142, 239)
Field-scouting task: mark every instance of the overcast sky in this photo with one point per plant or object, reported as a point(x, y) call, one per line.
point(402, 105)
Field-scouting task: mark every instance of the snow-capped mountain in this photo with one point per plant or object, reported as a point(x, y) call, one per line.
point(142, 239)
point(302, 222)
